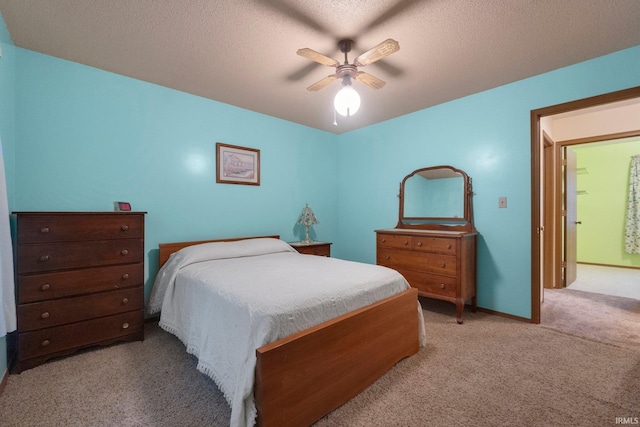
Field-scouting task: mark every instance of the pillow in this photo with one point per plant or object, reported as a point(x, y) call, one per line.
point(206, 252)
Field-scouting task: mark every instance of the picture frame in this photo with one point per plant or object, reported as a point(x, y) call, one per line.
point(122, 206)
point(237, 165)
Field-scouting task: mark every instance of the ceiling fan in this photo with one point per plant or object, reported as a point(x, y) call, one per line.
point(374, 54)
point(348, 71)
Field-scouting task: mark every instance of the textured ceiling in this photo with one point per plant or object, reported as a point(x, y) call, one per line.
point(243, 52)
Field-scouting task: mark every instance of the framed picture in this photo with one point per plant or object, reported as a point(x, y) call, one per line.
point(122, 206)
point(237, 165)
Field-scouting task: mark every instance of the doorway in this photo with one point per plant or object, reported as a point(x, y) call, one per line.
point(595, 188)
point(546, 246)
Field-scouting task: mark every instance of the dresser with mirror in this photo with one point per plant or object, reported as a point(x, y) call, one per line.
point(433, 244)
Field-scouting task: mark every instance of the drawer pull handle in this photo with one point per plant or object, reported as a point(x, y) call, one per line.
point(441, 285)
point(442, 264)
point(124, 228)
point(449, 246)
point(45, 343)
point(384, 240)
point(125, 276)
point(419, 243)
point(44, 258)
point(44, 230)
point(45, 315)
point(406, 242)
point(125, 325)
point(45, 287)
point(124, 252)
point(125, 301)
point(388, 257)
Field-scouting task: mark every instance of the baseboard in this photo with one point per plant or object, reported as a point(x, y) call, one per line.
point(632, 267)
point(501, 314)
point(3, 383)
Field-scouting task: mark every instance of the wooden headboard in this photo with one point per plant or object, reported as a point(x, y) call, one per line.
point(166, 249)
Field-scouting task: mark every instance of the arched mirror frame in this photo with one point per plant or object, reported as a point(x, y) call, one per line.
point(464, 223)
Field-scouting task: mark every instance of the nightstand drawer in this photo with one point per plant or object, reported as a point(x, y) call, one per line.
point(314, 248)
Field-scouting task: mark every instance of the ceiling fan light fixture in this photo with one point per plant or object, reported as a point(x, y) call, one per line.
point(347, 100)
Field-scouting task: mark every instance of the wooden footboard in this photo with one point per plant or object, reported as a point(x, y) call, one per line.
point(303, 377)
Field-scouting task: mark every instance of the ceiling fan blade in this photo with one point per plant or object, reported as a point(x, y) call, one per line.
point(378, 52)
point(371, 81)
point(318, 57)
point(322, 83)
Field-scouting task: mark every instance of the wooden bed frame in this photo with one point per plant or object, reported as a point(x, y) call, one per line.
point(304, 376)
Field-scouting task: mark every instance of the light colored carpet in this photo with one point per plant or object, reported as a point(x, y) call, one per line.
point(621, 282)
point(605, 318)
point(490, 371)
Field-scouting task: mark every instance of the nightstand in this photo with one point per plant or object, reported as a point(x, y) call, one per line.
point(313, 248)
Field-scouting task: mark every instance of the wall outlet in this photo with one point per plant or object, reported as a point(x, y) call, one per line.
point(502, 202)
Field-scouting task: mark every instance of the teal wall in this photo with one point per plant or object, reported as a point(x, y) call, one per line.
point(82, 138)
point(488, 135)
point(602, 210)
point(88, 137)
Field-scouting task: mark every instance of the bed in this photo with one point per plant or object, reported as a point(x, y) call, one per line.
point(286, 337)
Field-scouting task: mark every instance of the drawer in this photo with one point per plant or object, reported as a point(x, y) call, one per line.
point(394, 241)
point(417, 261)
point(431, 283)
point(47, 227)
point(75, 335)
point(59, 256)
point(440, 245)
point(46, 314)
point(38, 287)
point(321, 250)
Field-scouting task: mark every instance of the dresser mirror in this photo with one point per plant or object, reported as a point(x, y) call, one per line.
point(438, 198)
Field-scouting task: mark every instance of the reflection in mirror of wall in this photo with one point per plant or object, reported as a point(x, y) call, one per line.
point(436, 198)
point(431, 195)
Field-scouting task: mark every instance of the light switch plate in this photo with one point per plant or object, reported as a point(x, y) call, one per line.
point(502, 202)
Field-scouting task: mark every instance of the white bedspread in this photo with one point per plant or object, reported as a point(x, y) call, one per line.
point(225, 300)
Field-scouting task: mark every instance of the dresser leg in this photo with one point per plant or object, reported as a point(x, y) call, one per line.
point(459, 309)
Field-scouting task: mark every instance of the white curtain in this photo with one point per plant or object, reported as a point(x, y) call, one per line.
point(7, 289)
point(632, 231)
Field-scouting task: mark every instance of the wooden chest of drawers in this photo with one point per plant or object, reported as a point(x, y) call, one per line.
point(440, 264)
point(80, 280)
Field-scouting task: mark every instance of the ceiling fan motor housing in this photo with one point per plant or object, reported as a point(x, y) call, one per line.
point(346, 70)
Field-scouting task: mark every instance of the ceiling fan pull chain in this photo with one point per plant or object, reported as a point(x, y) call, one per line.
point(335, 122)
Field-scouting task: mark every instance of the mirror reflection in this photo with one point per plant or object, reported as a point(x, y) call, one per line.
point(436, 193)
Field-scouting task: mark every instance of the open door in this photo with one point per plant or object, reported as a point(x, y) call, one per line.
point(570, 216)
